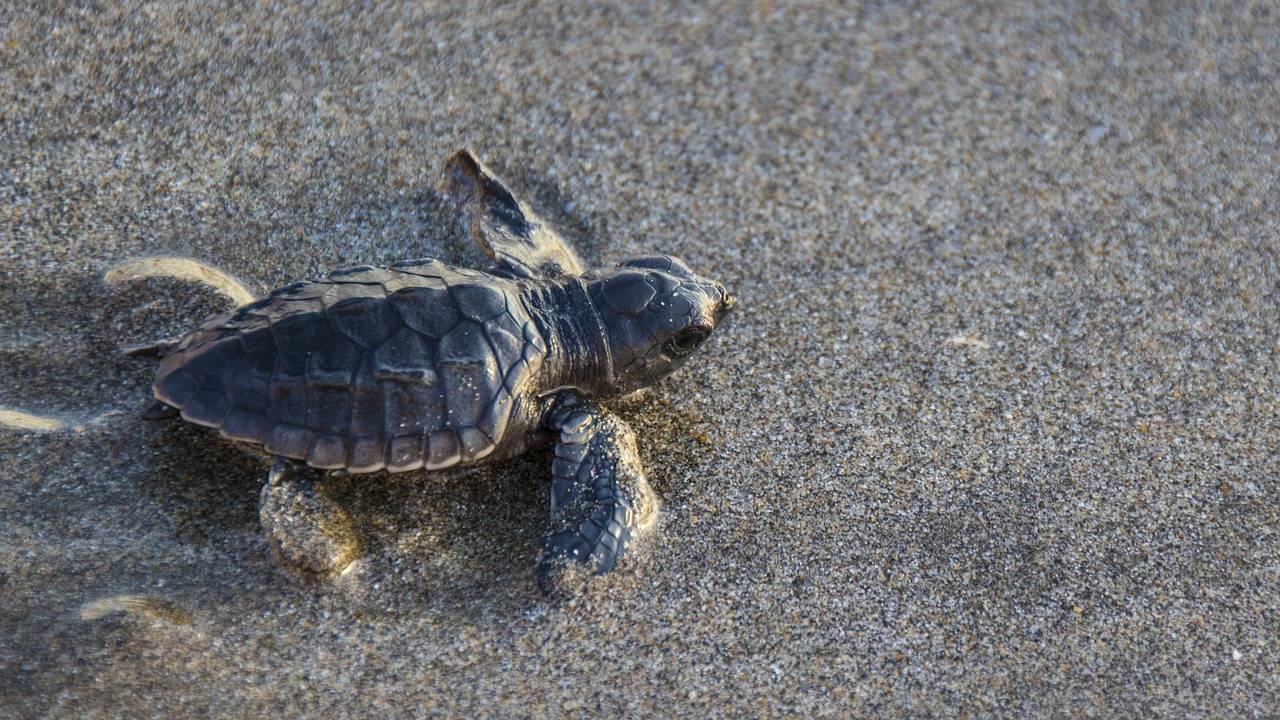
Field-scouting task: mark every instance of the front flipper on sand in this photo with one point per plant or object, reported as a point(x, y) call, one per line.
point(600, 500)
point(308, 530)
point(506, 228)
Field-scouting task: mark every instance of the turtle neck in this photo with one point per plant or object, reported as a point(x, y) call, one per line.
point(577, 343)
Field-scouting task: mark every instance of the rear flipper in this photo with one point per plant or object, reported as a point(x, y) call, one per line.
point(307, 530)
point(159, 411)
point(157, 349)
point(600, 499)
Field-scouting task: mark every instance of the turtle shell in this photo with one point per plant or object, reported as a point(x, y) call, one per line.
point(399, 368)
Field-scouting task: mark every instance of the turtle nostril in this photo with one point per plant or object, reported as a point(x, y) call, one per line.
point(728, 303)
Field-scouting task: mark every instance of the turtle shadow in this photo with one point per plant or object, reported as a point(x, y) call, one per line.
point(207, 488)
point(455, 544)
point(458, 544)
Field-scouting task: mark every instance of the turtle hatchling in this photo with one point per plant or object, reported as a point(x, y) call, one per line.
point(427, 365)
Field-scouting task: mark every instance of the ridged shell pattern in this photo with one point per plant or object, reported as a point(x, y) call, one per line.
point(399, 368)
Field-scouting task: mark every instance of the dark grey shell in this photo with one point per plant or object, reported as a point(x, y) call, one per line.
point(400, 368)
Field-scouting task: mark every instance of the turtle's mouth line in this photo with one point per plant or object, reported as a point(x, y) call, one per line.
point(727, 306)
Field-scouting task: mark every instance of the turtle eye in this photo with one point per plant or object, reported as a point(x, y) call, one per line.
point(686, 342)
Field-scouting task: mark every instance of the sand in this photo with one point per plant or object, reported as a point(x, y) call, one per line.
point(994, 431)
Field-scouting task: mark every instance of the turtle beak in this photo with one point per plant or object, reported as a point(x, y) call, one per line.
point(727, 303)
point(726, 300)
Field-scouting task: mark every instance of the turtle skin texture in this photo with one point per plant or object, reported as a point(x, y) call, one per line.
point(412, 366)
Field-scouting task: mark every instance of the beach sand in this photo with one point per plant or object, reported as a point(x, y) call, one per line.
point(994, 431)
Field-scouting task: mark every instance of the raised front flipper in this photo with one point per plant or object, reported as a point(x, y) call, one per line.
point(600, 499)
point(520, 242)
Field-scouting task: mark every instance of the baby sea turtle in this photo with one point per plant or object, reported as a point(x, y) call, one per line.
point(426, 365)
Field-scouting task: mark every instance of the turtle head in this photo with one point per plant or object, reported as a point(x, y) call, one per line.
point(656, 313)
